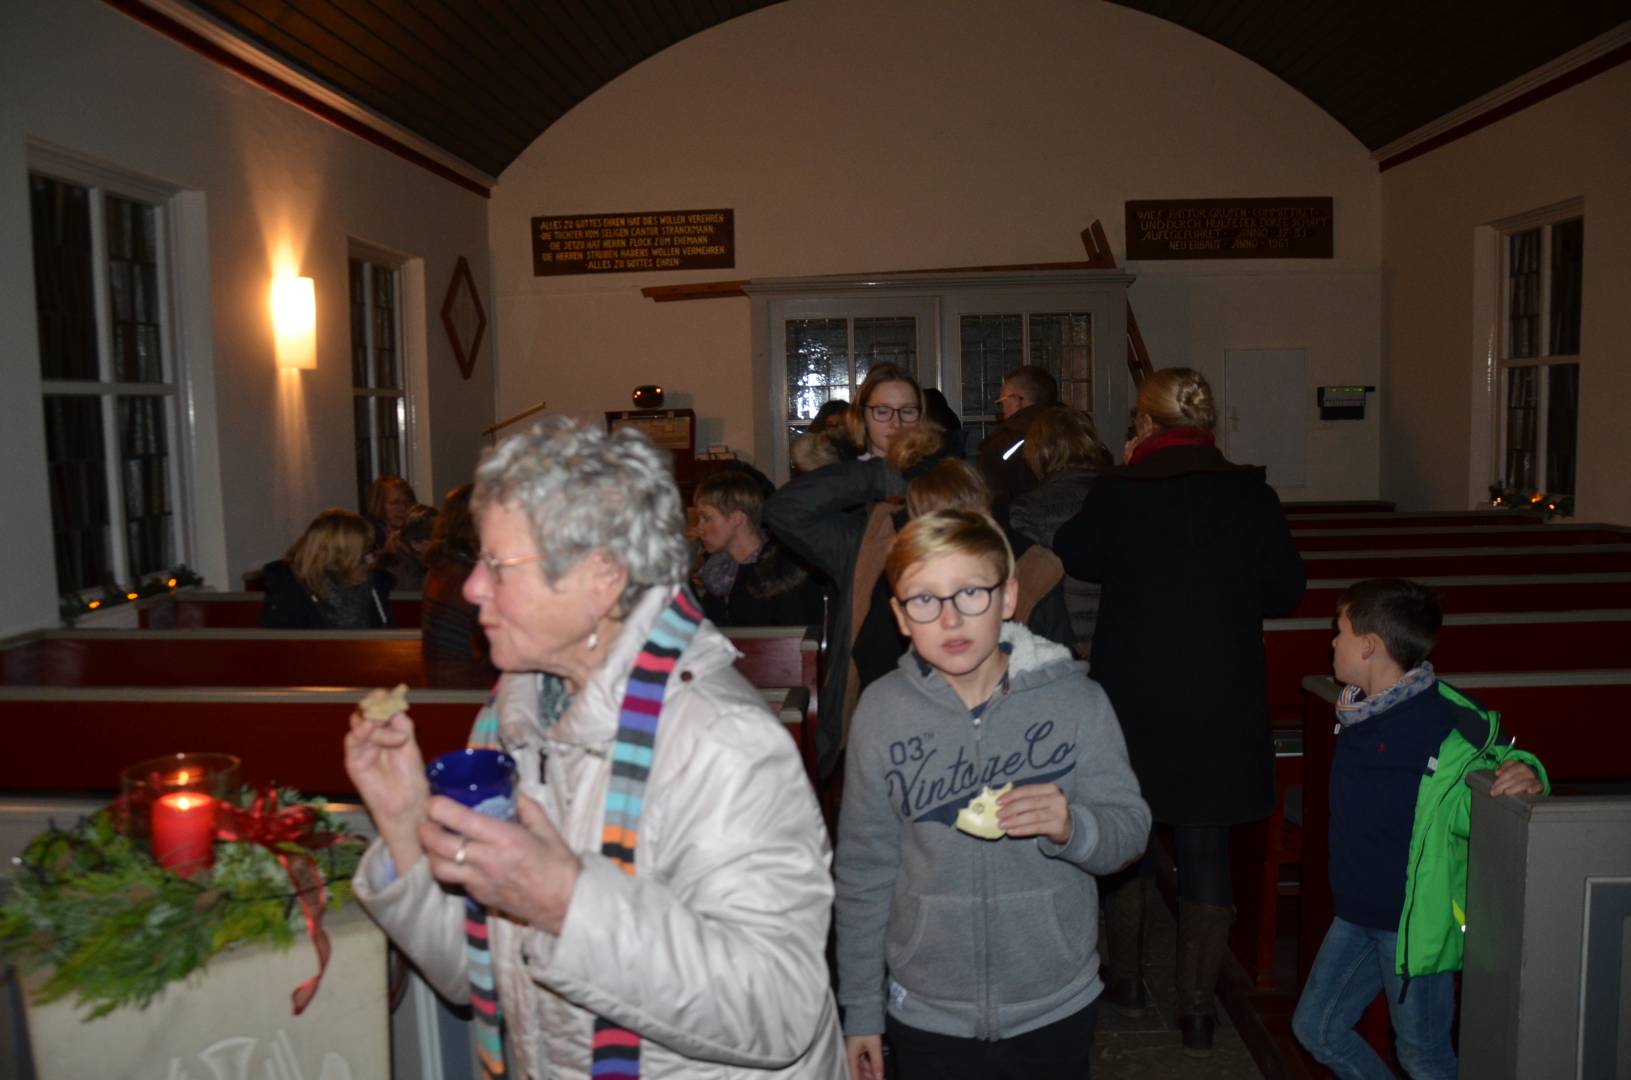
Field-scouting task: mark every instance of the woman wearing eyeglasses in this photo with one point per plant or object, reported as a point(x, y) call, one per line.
point(660, 907)
point(840, 515)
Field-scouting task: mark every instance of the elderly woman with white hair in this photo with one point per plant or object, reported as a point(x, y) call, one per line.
point(660, 907)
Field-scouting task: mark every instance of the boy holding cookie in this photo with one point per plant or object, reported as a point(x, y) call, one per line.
point(976, 957)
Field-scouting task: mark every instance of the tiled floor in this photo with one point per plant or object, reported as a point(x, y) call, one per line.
point(1148, 1046)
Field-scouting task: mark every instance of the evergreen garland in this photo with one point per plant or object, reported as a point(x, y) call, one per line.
point(116, 928)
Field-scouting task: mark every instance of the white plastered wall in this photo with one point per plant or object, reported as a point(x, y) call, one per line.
point(854, 136)
point(267, 180)
point(1436, 213)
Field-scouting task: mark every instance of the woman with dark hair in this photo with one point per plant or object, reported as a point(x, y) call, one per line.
point(451, 641)
point(403, 556)
point(327, 580)
point(1192, 551)
point(1063, 451)
point(840, 516)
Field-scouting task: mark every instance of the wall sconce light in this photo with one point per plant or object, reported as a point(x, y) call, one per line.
point(294, 321)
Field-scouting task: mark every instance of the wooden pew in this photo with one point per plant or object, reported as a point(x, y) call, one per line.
point(1300, 648)
point(78, 739)
point(771, 656)
point(1483, 536)
point(1491, 592)
point(1351, 506)
point(1550, 640)
point(200, 608)
point(1449, 562)
point(1413, 519)
point(1570, 720)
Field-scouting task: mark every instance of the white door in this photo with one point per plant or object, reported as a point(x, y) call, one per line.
point(1266, 405)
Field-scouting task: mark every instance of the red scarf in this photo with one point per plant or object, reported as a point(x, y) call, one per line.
point(1175, 436)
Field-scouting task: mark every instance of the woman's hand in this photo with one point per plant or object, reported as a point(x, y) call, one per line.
point(384, 763)
point(524, 870)
point(1036, 810)
point(865, 1053)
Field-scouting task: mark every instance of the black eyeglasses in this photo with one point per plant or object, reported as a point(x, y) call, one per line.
point(969, 600)
point(884, 413)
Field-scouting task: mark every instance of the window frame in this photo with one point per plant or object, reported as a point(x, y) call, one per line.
point(1100, 294)
point(373, 257)
point(181, 400)
point(1503, 362)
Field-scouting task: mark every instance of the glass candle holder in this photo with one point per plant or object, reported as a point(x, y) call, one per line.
point(169, 804)
point(483, 780)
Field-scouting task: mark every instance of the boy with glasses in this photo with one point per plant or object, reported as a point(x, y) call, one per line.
point(976, 957)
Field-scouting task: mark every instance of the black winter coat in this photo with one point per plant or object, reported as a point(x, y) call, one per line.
point(1193, 552)
point(773, 590)
point(290, 606)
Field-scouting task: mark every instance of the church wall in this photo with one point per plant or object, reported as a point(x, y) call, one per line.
point(274, 184)
point(856, 137)
point(1438, 300)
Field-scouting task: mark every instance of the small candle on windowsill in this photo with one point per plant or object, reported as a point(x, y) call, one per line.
point(184, 832)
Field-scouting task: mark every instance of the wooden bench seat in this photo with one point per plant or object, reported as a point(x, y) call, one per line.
point(1485, 536)
point(1551, 640)
point(78, 739)
point(1413, 519)
point(1336, 506)
point(1491, 592)
point(201, 608)
point(1450, 562)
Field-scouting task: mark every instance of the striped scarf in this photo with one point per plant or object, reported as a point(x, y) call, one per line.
point(616, 1050)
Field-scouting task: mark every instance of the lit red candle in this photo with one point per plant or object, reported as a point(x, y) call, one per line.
point(184, 832)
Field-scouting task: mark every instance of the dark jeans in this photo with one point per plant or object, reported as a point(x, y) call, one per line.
point(1063, 1049)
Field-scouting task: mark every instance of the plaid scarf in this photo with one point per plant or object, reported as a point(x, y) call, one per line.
point(615, 1050)
point(1353, 708)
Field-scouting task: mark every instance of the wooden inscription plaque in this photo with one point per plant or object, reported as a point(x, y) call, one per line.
point(1291, 228)
point(633, 242)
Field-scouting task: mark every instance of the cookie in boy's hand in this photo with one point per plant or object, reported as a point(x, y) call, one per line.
point(979, 817)
point(380, 705)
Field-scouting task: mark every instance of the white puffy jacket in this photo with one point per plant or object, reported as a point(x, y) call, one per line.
point(714, 951)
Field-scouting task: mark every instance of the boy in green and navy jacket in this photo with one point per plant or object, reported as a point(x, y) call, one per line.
point(1399, 812)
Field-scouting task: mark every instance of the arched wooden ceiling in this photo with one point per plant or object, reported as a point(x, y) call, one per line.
point(482, 79)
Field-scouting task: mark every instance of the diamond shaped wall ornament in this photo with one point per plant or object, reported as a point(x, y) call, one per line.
point(464, 318)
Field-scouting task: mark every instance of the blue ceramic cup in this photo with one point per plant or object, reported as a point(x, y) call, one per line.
point(483, 780)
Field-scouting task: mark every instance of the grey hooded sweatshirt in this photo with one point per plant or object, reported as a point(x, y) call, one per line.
point(962, 936)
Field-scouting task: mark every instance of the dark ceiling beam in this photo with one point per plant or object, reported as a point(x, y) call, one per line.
point(1573, 77)
point(280, 87)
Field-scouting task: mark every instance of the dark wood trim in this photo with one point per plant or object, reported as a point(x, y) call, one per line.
point(183, 35)
point(1592, 68)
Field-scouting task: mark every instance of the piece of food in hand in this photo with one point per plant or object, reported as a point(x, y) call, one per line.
point(979, 817)
point(380, 705)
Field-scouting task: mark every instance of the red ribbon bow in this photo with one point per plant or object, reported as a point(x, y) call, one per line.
point(265, 823)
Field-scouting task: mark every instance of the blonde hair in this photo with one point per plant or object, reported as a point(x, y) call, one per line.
point(1062, 438)
point(333, 546)
point(949, 484)
point(940, 533)
point(855, 419)
point(1178, 397)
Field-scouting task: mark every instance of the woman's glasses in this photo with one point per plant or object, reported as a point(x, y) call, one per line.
point(496, 565)
point(969, 600)
point(884, 413)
